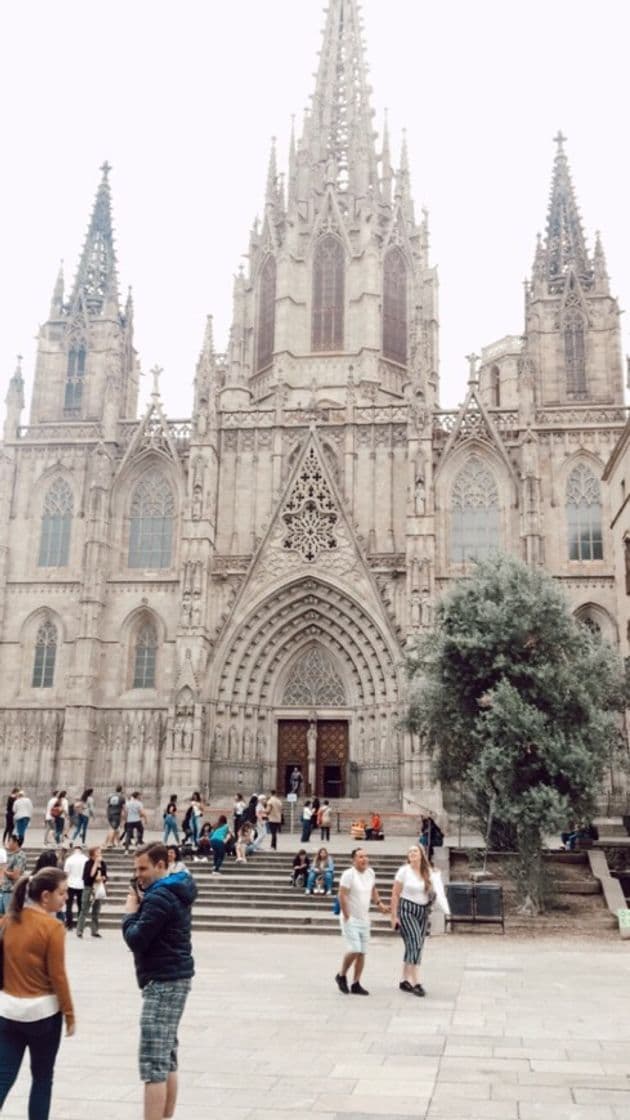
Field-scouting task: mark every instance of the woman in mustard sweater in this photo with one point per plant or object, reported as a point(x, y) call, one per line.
point(35, 996)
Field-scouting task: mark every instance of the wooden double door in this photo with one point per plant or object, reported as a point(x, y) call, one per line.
point(327, 771)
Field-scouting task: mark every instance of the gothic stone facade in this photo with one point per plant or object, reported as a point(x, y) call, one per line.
point(205, 603)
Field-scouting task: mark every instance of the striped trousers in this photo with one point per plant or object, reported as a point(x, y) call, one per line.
point(413, 919)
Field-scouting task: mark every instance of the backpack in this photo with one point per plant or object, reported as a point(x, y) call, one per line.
point(437, 836)
point(114, 801)
point(55, 811)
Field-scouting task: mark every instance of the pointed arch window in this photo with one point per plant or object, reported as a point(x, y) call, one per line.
point(329, 268)
point(584, 514)
point(45, 656)
point(75, 379)
point(395, 307)
point(266, 314)
point(314, 681)
point(145, 656)
point(54, 540)
point(475, 528)
point(575, 353)
point(151, 526)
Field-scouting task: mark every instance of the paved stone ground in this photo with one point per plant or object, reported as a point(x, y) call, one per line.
point(510, 1030)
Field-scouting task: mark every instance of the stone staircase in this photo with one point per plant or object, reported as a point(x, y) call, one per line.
point(255, 897)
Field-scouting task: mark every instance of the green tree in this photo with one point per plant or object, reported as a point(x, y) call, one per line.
point(520, 704)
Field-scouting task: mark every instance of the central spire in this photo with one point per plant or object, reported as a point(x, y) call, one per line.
point(565, 247)
point(340, 134)
point(96, 282)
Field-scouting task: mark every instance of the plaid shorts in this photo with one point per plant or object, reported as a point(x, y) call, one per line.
point(162, 1007)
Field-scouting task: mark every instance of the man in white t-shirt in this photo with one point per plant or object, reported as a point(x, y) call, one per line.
point(22, 813)
point(73, 868)
point(357, 889)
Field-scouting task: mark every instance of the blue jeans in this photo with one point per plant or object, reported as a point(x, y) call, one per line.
point(170, 827)
point(195, 828)
point(312, 878)
point(218, 851)
point(42, 1038)
point(21, 827)
point(81, 827)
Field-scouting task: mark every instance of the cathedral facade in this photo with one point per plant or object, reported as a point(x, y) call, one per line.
point(206, 603)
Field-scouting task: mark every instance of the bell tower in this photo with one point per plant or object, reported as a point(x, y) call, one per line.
point(86, 365)
point(571, 318)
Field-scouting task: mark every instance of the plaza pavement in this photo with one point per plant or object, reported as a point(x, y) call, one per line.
point(510, 1030)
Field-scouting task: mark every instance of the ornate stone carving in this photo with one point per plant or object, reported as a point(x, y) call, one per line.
point(314, 682)
point(310, 513)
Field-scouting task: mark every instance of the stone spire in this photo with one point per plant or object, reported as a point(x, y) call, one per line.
point(387, 171)
point(96, 285)
point(340, 132)
point(565, 247)
point(600, 270)
point(14, 401)
point(56, 303)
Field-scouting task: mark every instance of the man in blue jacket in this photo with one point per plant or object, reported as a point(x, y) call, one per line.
point(157, 927)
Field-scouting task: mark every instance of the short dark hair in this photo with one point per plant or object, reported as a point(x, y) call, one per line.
point(19, 840)
point(355, 850)
point(157, 853)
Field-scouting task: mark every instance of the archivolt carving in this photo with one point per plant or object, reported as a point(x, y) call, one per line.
point(302, 614)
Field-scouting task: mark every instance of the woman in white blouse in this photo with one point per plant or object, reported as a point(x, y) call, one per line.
point(416, 887)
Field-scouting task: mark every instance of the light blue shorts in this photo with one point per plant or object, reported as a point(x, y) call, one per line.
point(356, 934)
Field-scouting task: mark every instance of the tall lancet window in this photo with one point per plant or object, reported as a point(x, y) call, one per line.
point(145, 657)
point(475, 518)
point(329, 268)
point(395, 307)
point(574, 352)
point(75, 378)
point(266, 314)
point(584, 514)
point(54, 540)
point(45, 656)
point(151, 528)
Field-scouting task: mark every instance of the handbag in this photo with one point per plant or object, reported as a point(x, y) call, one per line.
point(100, 894)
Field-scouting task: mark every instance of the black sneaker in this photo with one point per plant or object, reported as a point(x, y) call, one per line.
point(405, 986)
point(342, 983)
point(418, 990)
point(357, 990)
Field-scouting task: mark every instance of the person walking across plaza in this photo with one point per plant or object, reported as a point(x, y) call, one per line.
point(73, 868)
point(14, 868)
point(274, 818)
point(416, 886)
point(357, 889)
point(114, 809)
point(83, 813)
point(135, 820)
point(22, 813)
point(9, 821)
point(35, 996)
point(94, 892)
point(158, 932)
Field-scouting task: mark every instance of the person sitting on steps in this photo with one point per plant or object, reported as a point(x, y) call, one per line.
point(321, 874)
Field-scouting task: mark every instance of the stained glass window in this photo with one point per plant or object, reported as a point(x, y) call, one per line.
point(266, 314)
point(75, 377)
point(328, 294)
point(54, 541)
point(151, 528)
point(584, 514)
point(574, 353)
point(475, 512)
point(395, 307)
point(145, 657)
point(45, 656)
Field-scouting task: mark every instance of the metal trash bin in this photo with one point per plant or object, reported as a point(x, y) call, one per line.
point(489, 901)
point(460, 899)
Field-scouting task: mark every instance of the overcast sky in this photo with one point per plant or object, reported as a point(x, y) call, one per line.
point(183, 98)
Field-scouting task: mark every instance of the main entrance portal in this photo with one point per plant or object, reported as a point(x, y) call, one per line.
point(319, 750)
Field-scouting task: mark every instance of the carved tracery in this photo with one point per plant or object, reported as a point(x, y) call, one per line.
point(314, 682)
point(310, 513)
